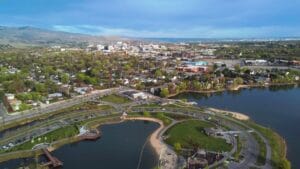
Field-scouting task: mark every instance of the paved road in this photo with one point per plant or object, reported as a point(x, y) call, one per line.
point(272, 67)
point(58, 105)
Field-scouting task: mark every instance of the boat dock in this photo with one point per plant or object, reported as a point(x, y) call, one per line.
point(91, 135)
point(53, 161)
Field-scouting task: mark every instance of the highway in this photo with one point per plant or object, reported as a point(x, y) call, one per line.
point(9, 118)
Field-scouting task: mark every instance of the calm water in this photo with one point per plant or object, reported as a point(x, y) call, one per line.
point(119, 147)
point(277, 108)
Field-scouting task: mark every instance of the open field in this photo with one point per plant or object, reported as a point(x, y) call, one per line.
point(115, 99)
point(190, 134)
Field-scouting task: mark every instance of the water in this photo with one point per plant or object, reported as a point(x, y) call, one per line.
point(277, 108)
point(119, 147)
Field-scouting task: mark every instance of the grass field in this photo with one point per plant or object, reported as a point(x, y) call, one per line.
point(55, 135)
point(115, 99)
point(190, 134)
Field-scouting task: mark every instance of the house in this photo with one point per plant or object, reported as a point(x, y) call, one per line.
point(192, 68)
point(139, 95)
point(55, 95)
point(197, 163)
point(11, 103)
point(83, 90)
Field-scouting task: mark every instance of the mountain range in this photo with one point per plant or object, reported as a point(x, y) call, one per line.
point(31, 36)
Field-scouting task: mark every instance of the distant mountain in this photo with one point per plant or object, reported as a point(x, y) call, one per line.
point(30, 36)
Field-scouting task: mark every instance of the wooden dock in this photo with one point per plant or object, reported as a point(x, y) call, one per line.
point(91, 135)
point(53, 161)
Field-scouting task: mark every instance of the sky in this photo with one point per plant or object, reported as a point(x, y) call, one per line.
point(158, 18)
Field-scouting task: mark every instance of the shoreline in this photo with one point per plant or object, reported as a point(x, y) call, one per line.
point(154, 138)
point(236, 115)
point(237, 88)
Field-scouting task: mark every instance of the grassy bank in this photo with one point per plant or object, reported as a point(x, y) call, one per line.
point(159, 115)
point(278, 146)
point(261, 159)
point(237, 153)
point(190, 134)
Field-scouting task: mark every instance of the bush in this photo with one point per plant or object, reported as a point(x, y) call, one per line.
point(147, 114)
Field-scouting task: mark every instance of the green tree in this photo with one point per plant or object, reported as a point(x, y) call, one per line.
point(158, 73)
point(177, 147)
point(65, 78)
point(146, 114)
point(164, 92)
point(238, 81)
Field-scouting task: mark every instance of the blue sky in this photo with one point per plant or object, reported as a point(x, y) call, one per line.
point(158, 18)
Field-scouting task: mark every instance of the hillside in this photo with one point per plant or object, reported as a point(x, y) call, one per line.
point(30, 36)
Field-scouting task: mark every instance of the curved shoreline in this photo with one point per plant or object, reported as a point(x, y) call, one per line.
point(154, 139)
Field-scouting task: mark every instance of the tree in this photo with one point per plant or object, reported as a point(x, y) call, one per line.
point(158, 73)
point(238, 81)
point(182, 86)
point(237, 68)
point(177, 147)
point(39, 87)
point(146, 114)
point(164, 92)
point(81, 77)
point(65, 78)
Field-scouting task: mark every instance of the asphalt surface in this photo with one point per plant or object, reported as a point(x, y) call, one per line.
point(57, 105)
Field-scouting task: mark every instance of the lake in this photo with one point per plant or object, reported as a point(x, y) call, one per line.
point(274, 107)
point(120, 146)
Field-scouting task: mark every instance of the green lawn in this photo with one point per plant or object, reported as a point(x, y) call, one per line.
point(190, 134)
point(115, 99)
point(52, 136)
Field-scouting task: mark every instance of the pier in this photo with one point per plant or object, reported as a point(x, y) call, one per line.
point(53, 161)
point(91, 135)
